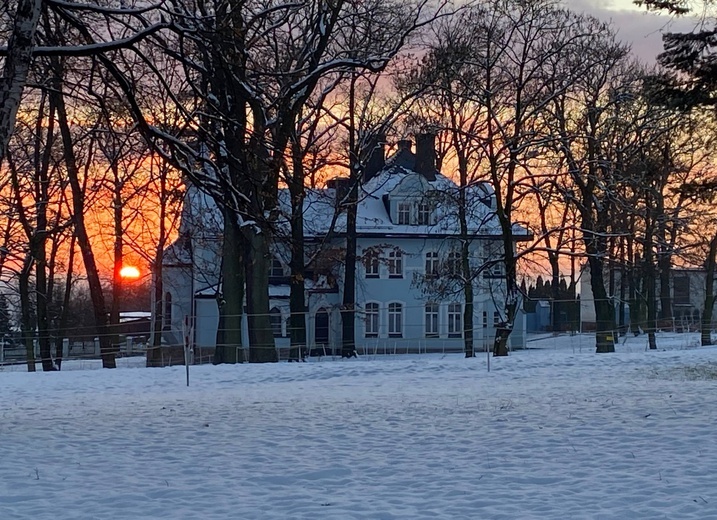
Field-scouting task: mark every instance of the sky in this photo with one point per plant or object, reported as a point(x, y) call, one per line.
point(634, 24)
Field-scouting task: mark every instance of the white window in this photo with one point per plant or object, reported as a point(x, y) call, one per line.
point(275, 319)
point(371, 320)
point(455, 321)
point(431, 320)
point(371, 264)
point(395, 320)
point(404, 213)
point(395, 264)
point(496, 319)
point(453, 263)
point(276, 268)
point(432, 265)
point(424, 214)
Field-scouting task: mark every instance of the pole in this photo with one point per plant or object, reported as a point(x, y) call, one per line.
point(185, 327)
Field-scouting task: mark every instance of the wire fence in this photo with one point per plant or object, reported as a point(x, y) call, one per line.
point(384, 330)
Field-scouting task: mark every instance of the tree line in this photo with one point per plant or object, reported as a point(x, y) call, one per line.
point(107, 107)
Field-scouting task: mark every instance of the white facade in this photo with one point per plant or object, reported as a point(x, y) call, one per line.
point(408, 296)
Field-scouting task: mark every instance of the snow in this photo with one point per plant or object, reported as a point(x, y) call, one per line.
point(554, 431)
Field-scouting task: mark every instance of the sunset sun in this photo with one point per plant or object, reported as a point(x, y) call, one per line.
point(129, 271)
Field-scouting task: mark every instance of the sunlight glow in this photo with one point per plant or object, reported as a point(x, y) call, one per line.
point(129, 271)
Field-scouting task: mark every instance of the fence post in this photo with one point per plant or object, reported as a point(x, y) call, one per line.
point(2, 349)
point(129, 345)
point(97, 346)
point(65, 348)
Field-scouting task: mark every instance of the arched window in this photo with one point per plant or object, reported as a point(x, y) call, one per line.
point(431, 320)
point(275, 319)
point(371, 264)
point(371, 319)
point(395, 264)
point(432, 264)
point(395, 320)
point(453, 264)
point(455, 320)
point(168, 310)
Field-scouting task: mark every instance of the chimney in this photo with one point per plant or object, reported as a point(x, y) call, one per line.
point(404, 144)
point(375, 157)
point(426, 156)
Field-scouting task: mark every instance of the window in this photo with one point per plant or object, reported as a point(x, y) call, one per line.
point(395, 320)
point(432, 265)
point(404, 213)
point(168, 310)
point(492, 267)
point(496, 319)
point(455, 327)
point(424, 214)
point(395, 264)
point(453, 263)
point(681, 290)
point(485, 320)
point(431, 320)
point(276, 268)
point(371, 264)
point(371, 320)
point(275, 319)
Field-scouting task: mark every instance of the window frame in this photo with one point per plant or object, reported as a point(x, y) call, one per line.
point(274, 313)
point(394, 262)
point(455, 318)
point(367, 332)
point(432, 317)
point(453, 263)
point(276, 269)
point(432, 259)
point(424, 213)
point(372, 264)
point(395, 319)
point(403, 213)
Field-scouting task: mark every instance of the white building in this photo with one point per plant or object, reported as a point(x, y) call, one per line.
point(408, 294)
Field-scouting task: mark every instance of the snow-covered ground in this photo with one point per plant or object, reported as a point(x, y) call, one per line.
point(550, 432)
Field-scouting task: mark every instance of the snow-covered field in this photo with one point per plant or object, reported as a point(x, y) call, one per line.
point(551, 432)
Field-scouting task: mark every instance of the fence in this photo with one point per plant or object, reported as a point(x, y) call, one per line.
point(413, 330)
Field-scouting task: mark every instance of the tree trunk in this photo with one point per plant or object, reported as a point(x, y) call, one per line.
point(65, 313)
point(26, 323)
point(78, 208)
point(297, 267)
point(231, 305)
point(665, 266)
point(261, 338)
point(468, 346)
point(348, 309)
point(604, 313)
point(554, 291)
point(649, 282)
point(710, 265)
point(17, 65)
point(118, 256)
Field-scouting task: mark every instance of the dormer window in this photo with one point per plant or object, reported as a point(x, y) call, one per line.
point(404, 213)
point(424, 214)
